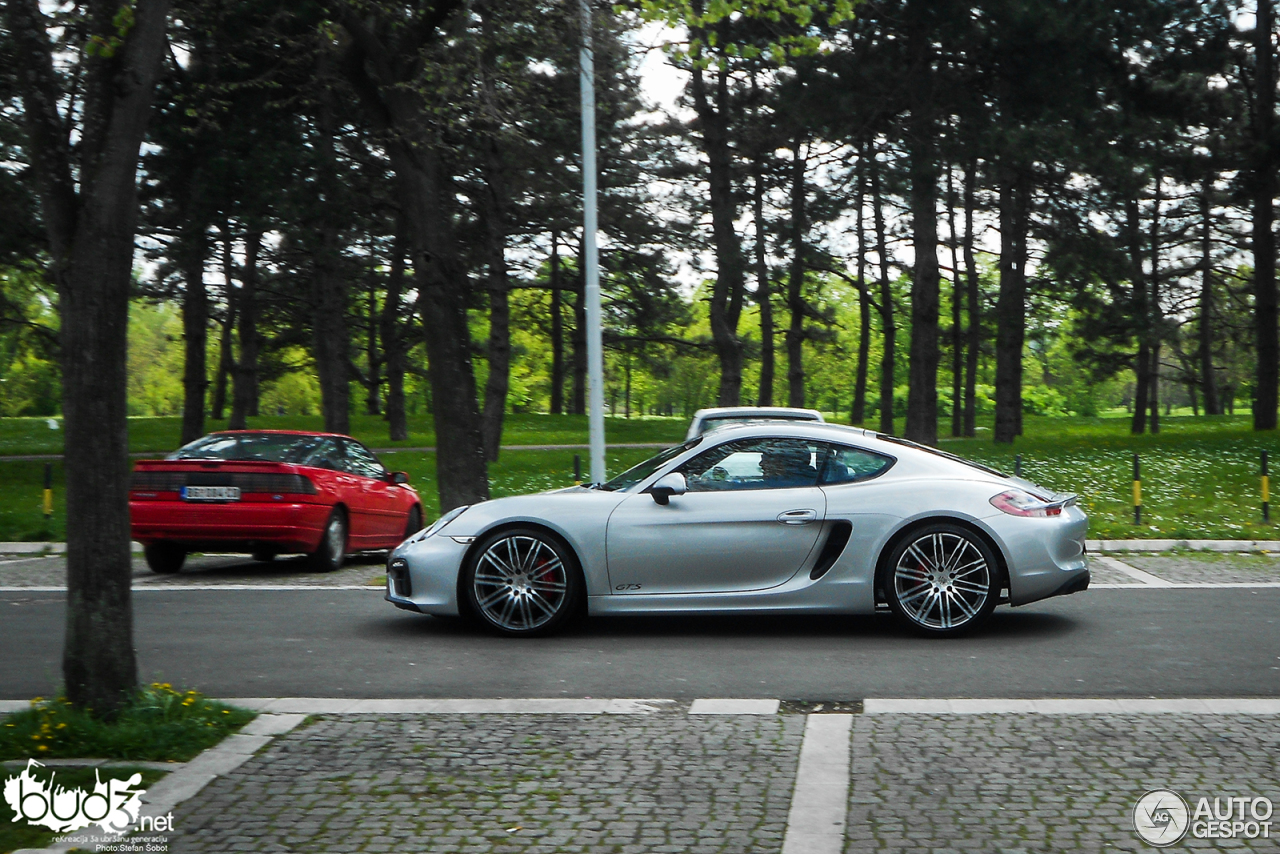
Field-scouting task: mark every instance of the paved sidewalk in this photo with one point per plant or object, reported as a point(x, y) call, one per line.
point(751, 777)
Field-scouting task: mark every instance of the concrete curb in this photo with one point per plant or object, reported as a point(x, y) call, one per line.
point(187, 779)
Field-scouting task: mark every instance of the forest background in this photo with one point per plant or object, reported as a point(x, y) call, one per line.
point(948, 211)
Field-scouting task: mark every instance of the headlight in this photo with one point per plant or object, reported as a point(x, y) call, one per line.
point(1018, 502)
point(438, 524)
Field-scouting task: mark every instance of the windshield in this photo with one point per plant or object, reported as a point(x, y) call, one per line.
point(273, 447)
point(635, 474)
point(979, 466)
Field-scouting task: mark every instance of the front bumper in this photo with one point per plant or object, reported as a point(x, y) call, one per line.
point(429, 584)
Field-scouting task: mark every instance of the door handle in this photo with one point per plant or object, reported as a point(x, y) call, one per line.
point(797, 517)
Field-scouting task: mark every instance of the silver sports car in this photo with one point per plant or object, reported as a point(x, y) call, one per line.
point(772, 517)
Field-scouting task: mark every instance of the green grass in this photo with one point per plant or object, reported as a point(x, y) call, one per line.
point(15, 833)
point(1200, 475)
point(160, 725)
point(23, 436)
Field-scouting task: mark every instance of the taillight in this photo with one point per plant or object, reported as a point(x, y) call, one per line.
point(1018, 502)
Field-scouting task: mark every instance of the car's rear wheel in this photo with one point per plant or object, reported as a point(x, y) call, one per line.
point(522, 581)
point(941, 580)
point(414, 524)
point(333, 544)
point(164, 558)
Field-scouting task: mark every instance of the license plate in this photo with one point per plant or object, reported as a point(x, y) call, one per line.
point(210, 493)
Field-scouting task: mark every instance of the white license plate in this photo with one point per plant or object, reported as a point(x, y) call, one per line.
point(211, 493)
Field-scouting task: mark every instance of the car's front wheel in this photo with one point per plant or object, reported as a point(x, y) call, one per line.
point(164, 558)
point(522, 582)
point(941, 580)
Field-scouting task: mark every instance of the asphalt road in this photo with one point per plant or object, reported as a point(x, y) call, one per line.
point(350, 643)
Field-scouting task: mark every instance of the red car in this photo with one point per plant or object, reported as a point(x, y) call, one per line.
point(270, 492)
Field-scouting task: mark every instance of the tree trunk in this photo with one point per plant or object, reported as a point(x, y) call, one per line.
point(922, 394)
point(974, 343)
point(957, 297)
point(499, 350)
point(393, 340)
point(226, 358)
point(195, 332)
point(1011, 305)
point(331, 339)
point(557, 330)
point(726, 293)
point(244, 387)
point(795, 285)
point(1141, 316)
point(1208, 383)
point(1267, 340)
point(888, 329)
point(768, 356)
point(1156, 322)
point(90, 221)
point(858, 411)
point(373, 382)
point(426, 197)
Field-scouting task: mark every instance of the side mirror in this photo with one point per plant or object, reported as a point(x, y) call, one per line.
point(398, 477)
point(667, 486)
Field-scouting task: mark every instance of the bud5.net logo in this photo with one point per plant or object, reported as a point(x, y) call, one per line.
point(113, 805)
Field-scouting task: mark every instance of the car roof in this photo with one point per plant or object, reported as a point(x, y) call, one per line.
point(283, 433)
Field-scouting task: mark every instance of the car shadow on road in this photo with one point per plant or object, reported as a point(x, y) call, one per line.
point(1002, 626)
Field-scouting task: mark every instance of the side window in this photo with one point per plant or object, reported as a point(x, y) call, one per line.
point(361, 461)
point(325, 455)
point(755, 464)
point(849, 465)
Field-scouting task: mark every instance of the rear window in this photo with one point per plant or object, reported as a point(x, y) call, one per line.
point(908, 443)
point(271, 447)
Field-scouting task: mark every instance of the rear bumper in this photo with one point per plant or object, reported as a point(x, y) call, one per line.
point(240, 526)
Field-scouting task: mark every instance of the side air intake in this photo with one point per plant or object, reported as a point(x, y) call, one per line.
point(831, 551)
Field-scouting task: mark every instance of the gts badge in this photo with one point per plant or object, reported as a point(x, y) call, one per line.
point(626, 587)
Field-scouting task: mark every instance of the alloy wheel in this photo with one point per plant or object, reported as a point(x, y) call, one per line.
point(942, 581)
point(520, 583)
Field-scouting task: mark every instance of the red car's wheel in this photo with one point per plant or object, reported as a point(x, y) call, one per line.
point(414, 524)
point(333, 543)
point(164, 558)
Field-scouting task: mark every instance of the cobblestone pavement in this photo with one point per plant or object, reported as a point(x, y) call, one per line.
point(669, 782)
point(51, 571)
point(1101, 573)
point(1201, 567)
point(1036, 783)
point(507, 783)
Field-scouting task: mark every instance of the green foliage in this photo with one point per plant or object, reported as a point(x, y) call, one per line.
point(794, 23)
point(159, 724)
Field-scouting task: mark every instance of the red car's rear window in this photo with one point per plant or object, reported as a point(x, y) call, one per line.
point(271, 447)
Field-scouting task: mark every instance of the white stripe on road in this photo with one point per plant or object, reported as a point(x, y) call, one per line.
point(726, 706)
point(1188, 585)
point(820, 801)
point(1083, 706)
point(1132, 571)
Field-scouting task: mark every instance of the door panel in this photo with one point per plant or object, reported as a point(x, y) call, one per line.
point(712, 542)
